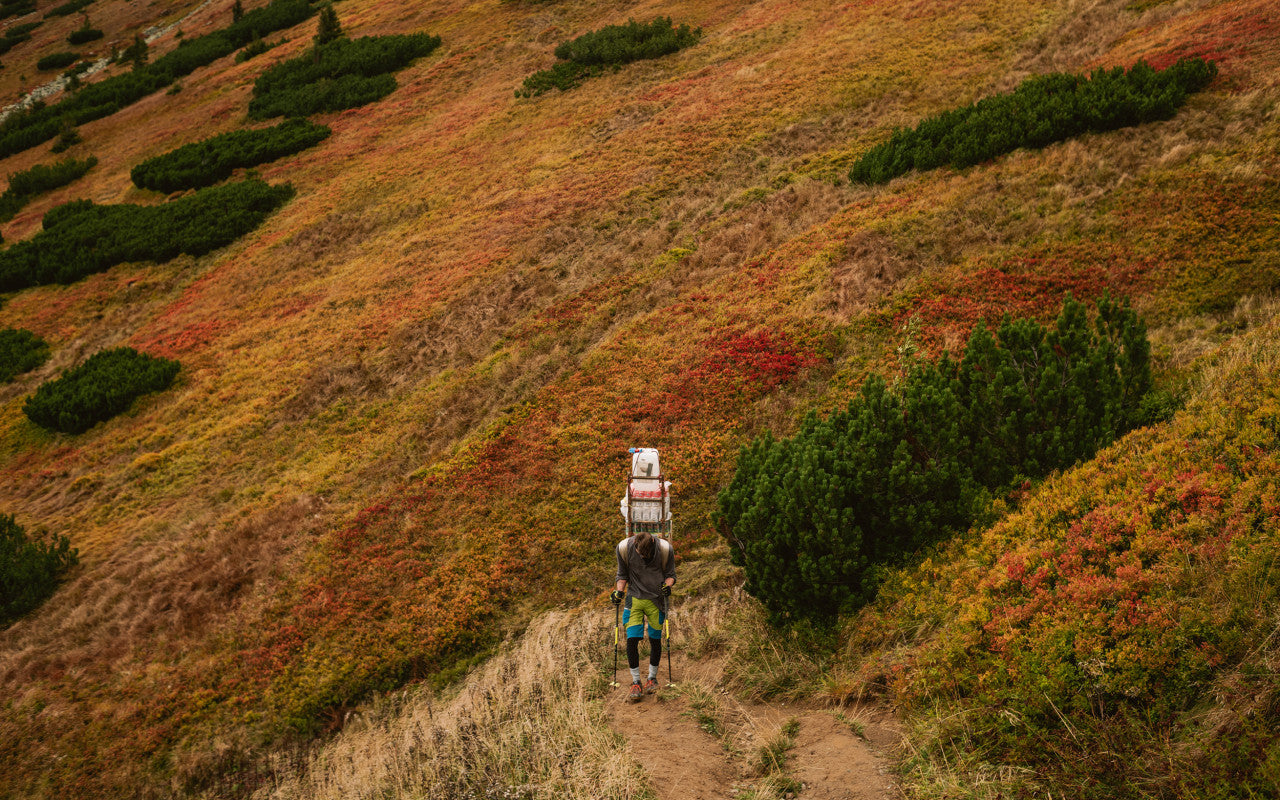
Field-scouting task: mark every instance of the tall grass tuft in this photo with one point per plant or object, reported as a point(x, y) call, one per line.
point(529, 724)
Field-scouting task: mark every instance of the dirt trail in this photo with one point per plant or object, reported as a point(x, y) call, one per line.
point(700, 743)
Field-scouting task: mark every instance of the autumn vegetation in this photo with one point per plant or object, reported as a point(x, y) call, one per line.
point(56, 61)
point(209, 161)
point(67, 9)
point(377, 506)
point(1042, 110)
point(15, 35)
point(20, 351)
point(39, 179)
point(105, 385)
point(81, 238)
point(815, 519)
point(30, 569)
point(609, 47)
point(28, 128)
point(85, 34)
point(337, 74)
point(16, 7)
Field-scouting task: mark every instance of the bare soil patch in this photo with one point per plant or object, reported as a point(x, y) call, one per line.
point(834, 757)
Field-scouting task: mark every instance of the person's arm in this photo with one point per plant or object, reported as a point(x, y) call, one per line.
point(624, 572)
point(669, 574)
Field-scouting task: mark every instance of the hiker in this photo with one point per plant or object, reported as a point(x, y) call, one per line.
point(646, 573)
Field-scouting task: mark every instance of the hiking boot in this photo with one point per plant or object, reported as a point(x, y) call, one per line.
point(650, 686)
point(636, 693)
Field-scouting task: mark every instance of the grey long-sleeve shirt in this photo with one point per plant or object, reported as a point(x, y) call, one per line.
point(645, 579)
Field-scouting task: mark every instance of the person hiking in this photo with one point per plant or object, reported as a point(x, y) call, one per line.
point(646, 573)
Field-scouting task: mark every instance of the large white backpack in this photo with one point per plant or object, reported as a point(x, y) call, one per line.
point(646, 506)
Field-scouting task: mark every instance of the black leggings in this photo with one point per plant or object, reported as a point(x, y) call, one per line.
point(633, 652)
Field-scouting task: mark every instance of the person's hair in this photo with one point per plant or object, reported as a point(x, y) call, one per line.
point(644, 545)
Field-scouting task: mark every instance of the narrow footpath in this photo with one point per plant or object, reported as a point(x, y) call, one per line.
point(699, 743)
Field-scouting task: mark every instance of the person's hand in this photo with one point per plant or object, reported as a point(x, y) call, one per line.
point(666, 590)
point(616, 597)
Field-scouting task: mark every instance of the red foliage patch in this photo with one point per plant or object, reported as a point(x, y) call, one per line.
point(1229, 34)
point(1029, 286)
point(195, 336)
point(737, 365)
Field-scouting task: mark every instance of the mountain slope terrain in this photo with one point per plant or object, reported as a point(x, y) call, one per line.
point(400, 428)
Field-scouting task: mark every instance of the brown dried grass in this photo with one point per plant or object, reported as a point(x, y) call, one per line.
point(154, 595)
point(527, 724)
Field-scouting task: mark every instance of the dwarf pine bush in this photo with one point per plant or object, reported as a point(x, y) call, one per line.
point(81, 238)
point(16, 8)
point(20, 351)
point(610, 46)
point(84, 35)
point(29, 569)
point(105, 385)
point(16, 34)
point(342, 73)
point(1125, 614)
point(253, 49)
point(206, 162)
point(27, 129)
point(40, 178)
point(1043, 110)
point(56, 61)
point(67, 9)
point(814, 519)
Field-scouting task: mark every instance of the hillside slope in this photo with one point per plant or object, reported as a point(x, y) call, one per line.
point(405, 399)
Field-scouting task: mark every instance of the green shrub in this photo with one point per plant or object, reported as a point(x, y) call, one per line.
point(1113, 635)
point(81, 238)
point(27, 129)
point(621, 44)
point(206, 162)
point(563, 76)
point(323, 96)
point(136, 53)
point(1043, 110)
point(7, 43)
point(611, 46)
point(40, 178)
point(68, 137)
point(253, 49)
point(29, 570)
point(328, 28)
point(195, 53)
point(344, 73)
point(22, 32)
point(105, 385)
point(84, 35)
point(815, 519)
point(56, 61)
point(20, 351)
point(67, 9)
point(17, 9)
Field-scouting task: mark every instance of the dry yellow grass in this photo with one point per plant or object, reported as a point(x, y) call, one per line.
point(378, 329)
point(530, 723)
